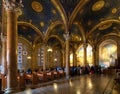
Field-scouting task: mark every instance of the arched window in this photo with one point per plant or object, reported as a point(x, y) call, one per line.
point(107, 53)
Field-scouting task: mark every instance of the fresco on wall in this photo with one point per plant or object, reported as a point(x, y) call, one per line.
point(80, 55)
point(107, 55)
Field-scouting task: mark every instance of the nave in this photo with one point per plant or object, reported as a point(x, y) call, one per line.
point(84, 84)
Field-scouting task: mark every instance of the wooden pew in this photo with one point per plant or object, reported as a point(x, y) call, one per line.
point(61, 73)
point(35, 78)
point(49, 75)
point(21, 80)
point(28, 78)
point(4, 82)
point(56, 74)
point(42, 76)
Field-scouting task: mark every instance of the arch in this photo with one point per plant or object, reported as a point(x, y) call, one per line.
point(102, 23)
point(81, 30)
point(79, 6)
point(107, 37)
point(24, 40)
point(61, 10)
point(107, 53)
point(54, 36)
point(52, 26)
point(32, 26)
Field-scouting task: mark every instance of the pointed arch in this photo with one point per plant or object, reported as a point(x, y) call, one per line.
point(51, 27)
point(61, 10)
point(81, 30)
point(54, 36)
point(79, 6)
point(32, 26)
point(102, 23)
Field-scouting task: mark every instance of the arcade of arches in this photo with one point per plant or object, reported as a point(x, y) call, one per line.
point(44, 34)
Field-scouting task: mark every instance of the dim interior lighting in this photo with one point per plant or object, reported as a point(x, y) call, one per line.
point(55, 86)
point(49, 50)
point(29, 57)
point(55, 59)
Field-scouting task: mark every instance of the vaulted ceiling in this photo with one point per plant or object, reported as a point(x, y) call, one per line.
point(41, 20)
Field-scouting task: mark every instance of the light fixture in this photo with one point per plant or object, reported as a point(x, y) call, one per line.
point(29, 57)
point(49, 49)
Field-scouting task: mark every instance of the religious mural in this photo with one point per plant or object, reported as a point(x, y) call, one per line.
point(107, 55)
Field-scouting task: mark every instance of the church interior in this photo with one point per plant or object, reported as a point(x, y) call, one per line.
point(44, 42)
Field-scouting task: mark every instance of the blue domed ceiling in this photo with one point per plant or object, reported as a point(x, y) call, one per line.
point(94, 19)
point(97, 11)
point(41, 13)
point(69, 5)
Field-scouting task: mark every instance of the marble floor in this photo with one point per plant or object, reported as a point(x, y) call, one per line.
point(84, 84)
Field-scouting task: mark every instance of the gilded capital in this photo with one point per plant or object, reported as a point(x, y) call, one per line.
point(12, 4)
point(85, 45)
point(66, 36)
point(3, 37)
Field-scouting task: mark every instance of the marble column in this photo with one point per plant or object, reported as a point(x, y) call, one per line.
point(33, 56)
point(85, 53)
point(63, 57)
point(44, 56)
point(74, 59)
point(67, 69)
point(4, 58)
point(11, 10)
point(94, 55)
point(118, 56)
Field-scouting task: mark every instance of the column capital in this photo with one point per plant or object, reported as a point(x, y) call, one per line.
point(85, 45)
point(66, 36)
point(12, 4)
point(3, 37)
point(93, 48)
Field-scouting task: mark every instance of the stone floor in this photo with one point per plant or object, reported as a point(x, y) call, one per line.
point(84, 84)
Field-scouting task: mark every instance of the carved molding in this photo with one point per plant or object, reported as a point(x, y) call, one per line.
point(66, 36)
point(3, 37)
point(12, 4)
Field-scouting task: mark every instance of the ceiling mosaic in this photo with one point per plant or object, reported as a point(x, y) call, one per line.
point(90, 20)
point(98, 10)
point(69, 5)
point(27, 32)
point(41, 13)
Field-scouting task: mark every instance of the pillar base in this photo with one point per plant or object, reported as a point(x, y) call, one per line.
point(67, 77)
point(11, 90)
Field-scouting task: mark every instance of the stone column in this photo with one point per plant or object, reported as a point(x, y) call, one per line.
point(74, 59)
point(4, 59)
point(11, 10)
point(67, 69)
point(33, 56)
point(63, 57)
point(85, 53)
point(97, 55)
point(94, 55)
point(44, 56)
point(118, 56)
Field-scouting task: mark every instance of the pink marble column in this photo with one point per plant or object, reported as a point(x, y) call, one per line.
point(11, 7)
point(4, 59)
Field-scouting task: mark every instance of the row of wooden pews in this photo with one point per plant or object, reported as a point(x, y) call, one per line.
point(37, 77)
point(34, 78)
